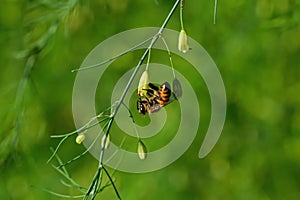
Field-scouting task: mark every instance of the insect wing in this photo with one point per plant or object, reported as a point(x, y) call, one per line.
point(154, 108)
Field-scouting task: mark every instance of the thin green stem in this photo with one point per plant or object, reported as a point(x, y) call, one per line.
point(72, 182)
point(113, 58)
point(133, 121)
point(181, 14)
point(170, 57)
point(61, 195)
point(93, 185)
point(56, 149)
point(82, 129)
point(215, 11)
point(148, 60)
point(112, 182)
point(63, 171)
point(101, 157)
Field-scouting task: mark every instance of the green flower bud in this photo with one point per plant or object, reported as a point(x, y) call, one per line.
point(142, 150)
point(183, 45)
point(80, 138)
point(143, 84)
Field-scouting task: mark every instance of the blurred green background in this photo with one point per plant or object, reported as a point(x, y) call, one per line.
point(256, 46)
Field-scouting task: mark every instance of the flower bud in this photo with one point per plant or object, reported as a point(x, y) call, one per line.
point(177, 90)
point(107, 142)
point(183, 45)
point(142, 150)
point(80, 138)
point(143, 84)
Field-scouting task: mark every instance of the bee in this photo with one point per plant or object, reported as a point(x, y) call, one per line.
point(155, 98)
point(147, 105)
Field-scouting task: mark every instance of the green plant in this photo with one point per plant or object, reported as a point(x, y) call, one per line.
point(58, 13)
point(106, 118)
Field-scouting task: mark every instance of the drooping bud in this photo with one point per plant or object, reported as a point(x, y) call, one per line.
point(143, 84)
point(105, 143)
point(142, 150)
point(80, 138)
point(177, 90)
point(183, 45)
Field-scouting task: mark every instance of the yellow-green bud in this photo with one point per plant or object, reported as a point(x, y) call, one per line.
point(183, 45)
point(80, 138)
point(142, 150)
point(143, 84)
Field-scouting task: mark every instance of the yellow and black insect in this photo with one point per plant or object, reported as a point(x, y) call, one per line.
point(155, 98)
